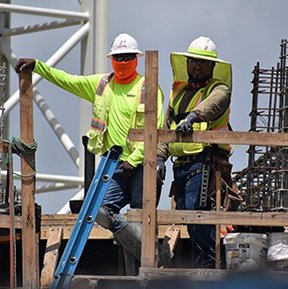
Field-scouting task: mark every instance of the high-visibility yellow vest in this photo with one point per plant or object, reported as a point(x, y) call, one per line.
point(101, 106)
point(179, 149)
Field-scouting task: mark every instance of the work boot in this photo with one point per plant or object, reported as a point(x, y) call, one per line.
point(129, 236)
point(131, 263)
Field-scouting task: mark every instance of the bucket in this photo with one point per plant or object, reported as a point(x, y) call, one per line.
point(277, 255)
point(245, 251)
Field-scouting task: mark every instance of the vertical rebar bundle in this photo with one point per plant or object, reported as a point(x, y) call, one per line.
point(264, 183)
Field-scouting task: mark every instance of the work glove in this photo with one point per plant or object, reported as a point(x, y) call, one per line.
point(25, 64)
point(161, 169)
point(186, 127)
point(128, 169)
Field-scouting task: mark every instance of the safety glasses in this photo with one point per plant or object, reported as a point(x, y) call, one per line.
point(124, 57)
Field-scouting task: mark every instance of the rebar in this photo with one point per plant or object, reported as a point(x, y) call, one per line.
point(264, 183)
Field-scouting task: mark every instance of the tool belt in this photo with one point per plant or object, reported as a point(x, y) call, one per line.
point(189, 159)
point(214, 159)
point(230, 196)
point(204, 156)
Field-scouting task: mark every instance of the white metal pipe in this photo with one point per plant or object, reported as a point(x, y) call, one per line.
point(94, 59)
point(74, 180)
point(53, 60)
point(66, 208)
point(54, 188)
point(43, 12)
point(39, 27)
point(60, 179)
point(101, 31)
point(57, 128)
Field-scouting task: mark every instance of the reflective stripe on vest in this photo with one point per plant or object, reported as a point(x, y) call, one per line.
point(100, 113)
point(219, 123)
point(97, 123)
point(103, 82)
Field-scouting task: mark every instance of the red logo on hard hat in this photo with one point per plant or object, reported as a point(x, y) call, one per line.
point(122, 44)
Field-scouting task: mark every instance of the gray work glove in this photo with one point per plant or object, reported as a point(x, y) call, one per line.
point(186, 127)
point(25, 64)
point(161, 169)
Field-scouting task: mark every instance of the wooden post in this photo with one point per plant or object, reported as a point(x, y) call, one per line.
point(29, 242)
point(150, 154)
point(12, 239)
point(51, 256)
point(218, 227)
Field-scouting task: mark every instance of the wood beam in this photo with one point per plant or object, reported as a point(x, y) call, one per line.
point(184, 273)
point(29, 242)
point(148, 249)
point(218, 137)
point(4, 146)
point(166, 217)
point(67, 222)
point(51, 256)
point(218, 227)
point(5, 223)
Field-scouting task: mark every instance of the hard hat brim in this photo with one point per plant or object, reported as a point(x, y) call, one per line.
point(121, 51)
point(198, 56)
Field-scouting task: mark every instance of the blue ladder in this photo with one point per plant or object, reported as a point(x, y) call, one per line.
point(86, 218)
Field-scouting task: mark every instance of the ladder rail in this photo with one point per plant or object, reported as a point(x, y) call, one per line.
point(86, 218)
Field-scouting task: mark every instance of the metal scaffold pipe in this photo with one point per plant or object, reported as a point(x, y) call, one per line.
point(43, 12)
point(53, 60)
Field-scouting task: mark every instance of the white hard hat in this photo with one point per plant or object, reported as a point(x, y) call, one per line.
point(201, 48)
point(204, 45)
point(124, 43)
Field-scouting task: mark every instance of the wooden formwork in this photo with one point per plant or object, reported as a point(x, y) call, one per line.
point(149, 216)
point(27, 222)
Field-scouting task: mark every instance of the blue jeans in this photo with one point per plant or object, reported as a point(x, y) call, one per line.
point(187, 195)
point(125, 190)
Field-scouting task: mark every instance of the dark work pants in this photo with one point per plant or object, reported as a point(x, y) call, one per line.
point(187, 194)
point(125, 190)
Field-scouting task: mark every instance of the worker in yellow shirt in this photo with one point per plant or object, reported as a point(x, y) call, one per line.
point(118, 101)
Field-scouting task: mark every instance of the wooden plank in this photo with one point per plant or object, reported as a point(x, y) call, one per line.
point(98, 233)
point(171, 238)
point(218, 137)
point(51, 256)
point(217, 233)
point(192, 274)
point(12, 232)
point(148, 249)
point(4, 222)
point(29, 242)
point(4, 146)
point(166, 217)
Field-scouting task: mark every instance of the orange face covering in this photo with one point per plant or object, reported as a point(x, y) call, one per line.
point(125, 71)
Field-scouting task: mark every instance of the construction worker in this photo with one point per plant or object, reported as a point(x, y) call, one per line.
point(118, 105)
point(199, 100)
